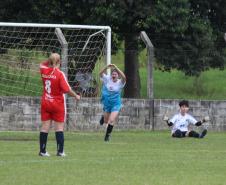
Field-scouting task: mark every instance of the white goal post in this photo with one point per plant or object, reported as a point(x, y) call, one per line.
point(84, 50)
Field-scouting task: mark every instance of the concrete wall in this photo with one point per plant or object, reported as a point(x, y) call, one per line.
point(23, 113)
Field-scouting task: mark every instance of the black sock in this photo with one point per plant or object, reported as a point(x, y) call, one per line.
point(60, 141)
point(109, 129)
point(42, 141)
point(193, 134)
point(102, 120)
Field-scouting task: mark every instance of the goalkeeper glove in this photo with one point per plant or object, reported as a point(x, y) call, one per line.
point(165, 118)
point(205, 119)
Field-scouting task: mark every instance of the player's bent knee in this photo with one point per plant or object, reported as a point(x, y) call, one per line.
point(177, 133)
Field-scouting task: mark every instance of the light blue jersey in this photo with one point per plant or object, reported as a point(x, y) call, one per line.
point(111, 94)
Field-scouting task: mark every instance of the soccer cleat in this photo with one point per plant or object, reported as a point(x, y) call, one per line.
point(42, 154)
point(61, 154)
point(107, 138)
point(101, 120)
point(204, 132)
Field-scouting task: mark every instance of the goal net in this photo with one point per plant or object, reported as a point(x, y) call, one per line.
point(84, 50)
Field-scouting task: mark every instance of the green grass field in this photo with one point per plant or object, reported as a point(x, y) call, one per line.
point(131, 158)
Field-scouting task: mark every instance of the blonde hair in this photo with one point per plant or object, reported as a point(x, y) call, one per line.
point(54, 59)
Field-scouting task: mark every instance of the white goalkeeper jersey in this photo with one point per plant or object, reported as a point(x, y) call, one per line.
point(182, 122)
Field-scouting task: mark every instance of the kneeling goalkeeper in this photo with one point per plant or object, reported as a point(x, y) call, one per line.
point(181, 121)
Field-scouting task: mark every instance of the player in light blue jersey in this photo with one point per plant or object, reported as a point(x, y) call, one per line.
point(111, 96)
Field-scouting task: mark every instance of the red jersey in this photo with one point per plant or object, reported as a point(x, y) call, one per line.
point(54, 82)
point(54, 86)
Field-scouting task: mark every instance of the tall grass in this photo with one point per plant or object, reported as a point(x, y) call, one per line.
point(173, 85)
point(210, 85)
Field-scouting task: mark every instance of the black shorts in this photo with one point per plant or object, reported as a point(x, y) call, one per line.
point(179, 133)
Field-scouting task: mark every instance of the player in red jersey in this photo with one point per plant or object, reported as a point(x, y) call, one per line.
point(53, 105)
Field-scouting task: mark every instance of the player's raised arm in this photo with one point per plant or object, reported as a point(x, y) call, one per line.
point(103, 71)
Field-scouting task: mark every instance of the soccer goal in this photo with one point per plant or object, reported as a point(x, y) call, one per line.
point(84, 50)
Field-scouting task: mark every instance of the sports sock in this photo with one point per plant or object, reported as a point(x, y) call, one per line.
point(193, 134)
point(102, 120)
point(42, 141)
point(60, 141)
point(204, 132)
point(109, 130)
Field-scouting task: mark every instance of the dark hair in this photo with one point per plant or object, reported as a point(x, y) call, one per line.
point(114, 70)
point(184, 102)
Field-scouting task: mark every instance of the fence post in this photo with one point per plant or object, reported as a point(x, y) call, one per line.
point(64, 63)
point(150, 58)
point(64, 52)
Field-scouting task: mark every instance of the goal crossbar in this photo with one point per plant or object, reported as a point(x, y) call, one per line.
point(55, 25)
point(84, 50)
point(108, 28)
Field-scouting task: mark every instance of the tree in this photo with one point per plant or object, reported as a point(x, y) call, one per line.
point(45, 11)
point(127, 18)
point(187, 34)
point(185, 40)
point(16, 11)
point(170, 20)
point(215, 12)
point(196, 53)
